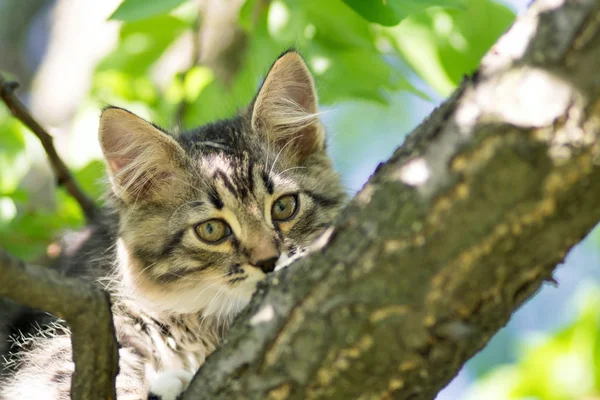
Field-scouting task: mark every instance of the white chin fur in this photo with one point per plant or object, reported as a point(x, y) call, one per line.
point(210, 296)
point(209, 299)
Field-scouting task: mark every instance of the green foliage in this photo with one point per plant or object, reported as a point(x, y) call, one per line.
point(13, 161)
point(134, 10)
point(390, 13)
point(92, 178)
point(562, 366)
point(442, 45)
point(359, 50)
point(141, 43)
point(30, 230)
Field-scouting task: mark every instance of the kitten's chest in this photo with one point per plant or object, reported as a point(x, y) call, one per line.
point(181, 349)
point(173, 343)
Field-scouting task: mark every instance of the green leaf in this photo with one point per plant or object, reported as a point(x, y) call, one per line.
point(114, 86)
point(28, 234)
point(92, 178)
point(561, 365)
point(14, 162)
point(134, 10)
point(352, 73)
point(337, 43)
point(247, 15)
point(391, 12)
point(214, 102)
point(336, 25)
point(17, 195)
point(442, 45)
point(142, 43)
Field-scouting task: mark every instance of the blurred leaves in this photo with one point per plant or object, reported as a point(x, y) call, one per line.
point(141, 44)
point(391, 12)
point(351, 57)
point(355, 48)
point(92, 178)
point(133, 10)
point(30, 230)
point(442, 45)
point(561, 366)
point(13, 160)
point(27, 229)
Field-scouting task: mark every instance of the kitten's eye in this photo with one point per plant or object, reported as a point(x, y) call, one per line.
point(212, 231)
point(284, 207)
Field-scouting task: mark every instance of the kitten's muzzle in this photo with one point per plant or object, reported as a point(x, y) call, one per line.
point(263, 254)
point(267, 265)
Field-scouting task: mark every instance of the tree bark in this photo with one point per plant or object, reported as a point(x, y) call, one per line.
point(461, 226)
point(84, 307)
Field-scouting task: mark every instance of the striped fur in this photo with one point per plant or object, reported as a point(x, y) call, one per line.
point(174, 295)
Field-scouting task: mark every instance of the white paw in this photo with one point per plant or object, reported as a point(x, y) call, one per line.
point(169, 385)
point(285, 260)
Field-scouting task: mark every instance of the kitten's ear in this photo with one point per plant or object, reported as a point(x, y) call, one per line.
point(285, 109)
point(143, 162)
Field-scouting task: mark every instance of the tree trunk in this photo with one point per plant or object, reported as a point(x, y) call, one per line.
point(446, 239)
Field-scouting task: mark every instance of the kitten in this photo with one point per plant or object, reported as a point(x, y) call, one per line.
point(195, 221)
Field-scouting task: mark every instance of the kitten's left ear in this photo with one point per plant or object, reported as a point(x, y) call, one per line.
point(285, 109)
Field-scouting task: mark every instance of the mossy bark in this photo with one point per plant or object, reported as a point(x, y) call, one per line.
point(452, 234)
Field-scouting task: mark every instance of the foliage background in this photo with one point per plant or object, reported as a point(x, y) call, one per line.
point(380, 68)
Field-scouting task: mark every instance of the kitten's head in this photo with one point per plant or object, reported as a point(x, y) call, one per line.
point(206, 214)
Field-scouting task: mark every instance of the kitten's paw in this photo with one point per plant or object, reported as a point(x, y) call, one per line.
point(286, 259)
point(169, 385)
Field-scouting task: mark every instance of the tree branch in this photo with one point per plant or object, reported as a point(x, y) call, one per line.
point(461, 226)
point(84, 307)
point(63, 175)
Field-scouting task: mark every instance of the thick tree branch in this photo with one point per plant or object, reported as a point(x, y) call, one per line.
point(462, 225)
point(63, 175)
point(84, 307)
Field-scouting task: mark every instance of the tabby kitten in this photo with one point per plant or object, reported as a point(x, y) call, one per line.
point(196, 220)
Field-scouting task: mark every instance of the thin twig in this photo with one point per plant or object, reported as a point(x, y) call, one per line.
point(63, 175)
point(84, 307)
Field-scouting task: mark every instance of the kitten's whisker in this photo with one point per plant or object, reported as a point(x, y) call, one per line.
point(128, 215)
point(198, 278)
point(232, 304)
point(216, 145)
point(224, 311)
point(280, 151)
point(226, 314)
point(288, 169)
point(268, 153)
point(171, 220)
point(135, 277)
point(217, 296)
point(225, 304)
point(208, 287)
point(189, 184)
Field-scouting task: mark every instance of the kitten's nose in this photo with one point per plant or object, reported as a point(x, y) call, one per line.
point(263, 254)
point(267, 265)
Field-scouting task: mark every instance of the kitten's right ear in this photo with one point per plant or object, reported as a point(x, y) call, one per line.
point(143, 162)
